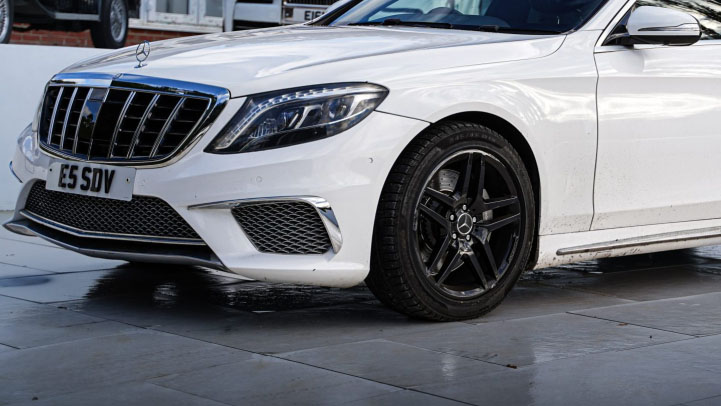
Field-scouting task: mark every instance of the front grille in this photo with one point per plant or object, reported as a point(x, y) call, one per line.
point(311, 2)
point(283, 227)
point(117, 124)
point(142, 216)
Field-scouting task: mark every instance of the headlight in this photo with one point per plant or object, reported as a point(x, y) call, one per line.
point(295, 116)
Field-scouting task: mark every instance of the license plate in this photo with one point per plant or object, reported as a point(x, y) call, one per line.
point(112, 182)
point(301, 15)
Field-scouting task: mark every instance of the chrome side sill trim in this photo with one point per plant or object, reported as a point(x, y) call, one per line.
point(14, 174)
point(321, 206)
point(664, 238)
point(106, 236)
point(167, 256)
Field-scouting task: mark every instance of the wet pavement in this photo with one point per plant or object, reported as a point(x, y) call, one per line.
point(643, 330)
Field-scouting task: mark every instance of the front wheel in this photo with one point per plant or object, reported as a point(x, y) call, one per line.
point(6, 20)
point(455, 224)
point(112, 29)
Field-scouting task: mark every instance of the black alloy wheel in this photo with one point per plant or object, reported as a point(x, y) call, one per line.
point(454, 226)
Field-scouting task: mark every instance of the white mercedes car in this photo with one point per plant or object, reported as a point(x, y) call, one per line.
point(434, 148)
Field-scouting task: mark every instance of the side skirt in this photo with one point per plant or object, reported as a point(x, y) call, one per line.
point(561, 249)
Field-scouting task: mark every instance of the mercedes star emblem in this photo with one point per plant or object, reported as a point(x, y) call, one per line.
point(465, 223)
point(142, 52)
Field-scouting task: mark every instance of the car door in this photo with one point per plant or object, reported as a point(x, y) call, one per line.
point(659, 128)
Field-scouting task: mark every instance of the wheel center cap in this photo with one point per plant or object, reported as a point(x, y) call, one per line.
point(464, 224)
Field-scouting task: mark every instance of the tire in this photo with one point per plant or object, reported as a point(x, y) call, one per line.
point(112, 29)
point(462, 261)
point(6, 20)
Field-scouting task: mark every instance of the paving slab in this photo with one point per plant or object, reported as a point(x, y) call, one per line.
point(535, 340)
point(50, 258)
point(693, 315)
point(14, 271)
point(405, 398)
point(650, 284)
point(158, 311)
point(714, 401)
point(54, 326)
point(654, 260)
point(149, 281)
point(529, 299)
point(53, 287)
point(129, 394)
point(57, 369)
point(12, 308)
point(4, 348)
point(393, 363)
point(264, 380)
point(278, 332)
point(666, 374)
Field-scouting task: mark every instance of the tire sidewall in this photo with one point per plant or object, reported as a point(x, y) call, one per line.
point(464, 138)
point(10, 10)
point(101, 32)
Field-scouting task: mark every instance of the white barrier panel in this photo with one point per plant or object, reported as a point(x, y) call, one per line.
point(24, 71)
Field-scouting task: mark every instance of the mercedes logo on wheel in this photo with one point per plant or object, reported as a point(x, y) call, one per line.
point(142, 52)
point(464, 223)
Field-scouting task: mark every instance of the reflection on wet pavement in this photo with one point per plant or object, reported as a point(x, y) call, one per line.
point(76, 330)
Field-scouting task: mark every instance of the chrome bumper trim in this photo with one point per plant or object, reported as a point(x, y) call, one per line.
point(14, 174)
point(106, 236)
point(321, 206)
point(155, 253)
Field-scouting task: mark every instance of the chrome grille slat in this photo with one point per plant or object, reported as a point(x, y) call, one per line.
point(134, 142)
point(55, 110)
point(125, 119)
point(77, 125)
point(127, 104)
point(67, 117)
point(166, 126)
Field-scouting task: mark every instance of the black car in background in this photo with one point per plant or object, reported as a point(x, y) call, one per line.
point(106, 19)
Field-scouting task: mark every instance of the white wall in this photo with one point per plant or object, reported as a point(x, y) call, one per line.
point(24, 70)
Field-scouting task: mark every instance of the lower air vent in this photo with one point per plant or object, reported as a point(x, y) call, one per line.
point(143, 216)
point(283, 227)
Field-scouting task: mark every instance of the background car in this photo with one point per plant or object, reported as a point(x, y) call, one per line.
point(106, 19)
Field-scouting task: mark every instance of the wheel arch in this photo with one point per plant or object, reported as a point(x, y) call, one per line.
point(521, 145)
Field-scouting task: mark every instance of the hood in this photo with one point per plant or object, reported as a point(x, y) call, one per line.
point(247, 62)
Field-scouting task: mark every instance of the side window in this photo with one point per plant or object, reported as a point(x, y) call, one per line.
point(708, 13)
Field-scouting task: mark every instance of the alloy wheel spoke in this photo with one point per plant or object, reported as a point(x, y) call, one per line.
point(434, 215)
point(501, 222)
point(478, 269)
point(490, 259)
point(440, 196)
point(467, 176)
point(439, 254)
point(500, 202)
point(478, 205)
point(451, 266)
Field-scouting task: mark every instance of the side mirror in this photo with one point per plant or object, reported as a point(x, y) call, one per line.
point(659, 25)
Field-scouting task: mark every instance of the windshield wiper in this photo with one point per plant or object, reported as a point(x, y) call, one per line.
point(509, 30)
point(449, 26)
point(396, 21)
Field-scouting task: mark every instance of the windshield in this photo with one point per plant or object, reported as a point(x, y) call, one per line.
point(520, 16)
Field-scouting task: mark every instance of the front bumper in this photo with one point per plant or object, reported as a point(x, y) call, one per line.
point(347, 170)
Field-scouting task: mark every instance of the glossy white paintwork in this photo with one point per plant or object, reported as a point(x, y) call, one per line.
point(648, 113)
